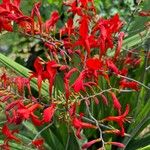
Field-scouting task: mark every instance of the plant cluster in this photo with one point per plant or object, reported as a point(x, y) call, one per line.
point(81, 55)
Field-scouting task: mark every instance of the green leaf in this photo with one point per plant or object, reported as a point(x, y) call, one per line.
point(17, 146)
point(136, 39)
point(145, 148)
point(139, 143)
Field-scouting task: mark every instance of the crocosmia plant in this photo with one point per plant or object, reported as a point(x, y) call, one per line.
point(89, 88)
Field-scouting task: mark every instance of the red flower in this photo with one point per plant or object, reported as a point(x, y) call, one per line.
point(9, 134)
point(79, 125)
point(66, 81)
point(41, 74)
point(84, 3)
point(38, 72)
point(110, 64)
point(74, 7)
point(21, 84)
point(35, 119)
point(38, 143)
point(131, 59)
point(129, 84)
point(69, 29)
point(5, 146)
point(119, 119)
point(26, 23)
point(118, 144)
point(78, 85)
point(4, 79)
point(84, 39)
point(83, 29)
point(107, 28)
point(11, 114)
point(35, 11)
point(116, 102)
point(5, 25)
point(144, 13)
point(5, 98)
point(104, 99)
point(50, 74)
point(124, 72)
point(115, 23)
point(90, 143)
point(25, 112)
point(119, 46)
point(93, 64)
point(17, 3)
point(72, 109)
point(48, 113)
point(52, 21)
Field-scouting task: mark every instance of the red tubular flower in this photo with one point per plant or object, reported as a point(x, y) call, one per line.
point(131, 60)
point(5, 98)
point(72, 109)
point(124, 72)
point(21, 84)
point(103, 38)
point(129, 84)
point(38, 143)
point(48, 113)
point(11, 114)
point(107, 28)
point(35, 119)
point(9, 134)
point(119, 46)
point(116, 23)
point(66, 81)
point(26, 112)
point(4, 79)
point(68, 29)
point(74, 7)
point(50, 73)
point(52, 21)
point(93, 64)
point(115, 131)
point(83, 29)
point(38, 72)
point(137, 61)
point(5, 146)
point(9, 11)
point(112, 66)
point(25, 23)
point(144, 13)
point(35, 11)
point(118, 144)
point(5, 25)
point(79, 125)
point(119, 119)
point(104, 99)
point(84, 39)
point(78, 85)
point(96, 100)
point(116, 102)
point(84, 3)
point(17, 3)
point(90, 143)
